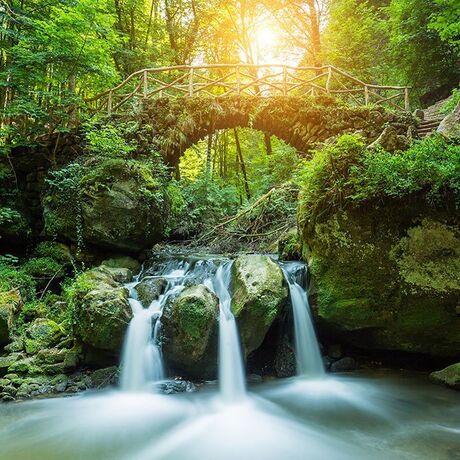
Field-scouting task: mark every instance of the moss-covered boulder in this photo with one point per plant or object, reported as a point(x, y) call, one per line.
point(101, 310)
point(380, 287)
point(381, 236)
point(9, 303)
point(449, 376)
point(42, 333)
point(116, 204)
point(149, 289)
point(258, 295)
point(123, 262)
point(189, 332)
point(289, 245)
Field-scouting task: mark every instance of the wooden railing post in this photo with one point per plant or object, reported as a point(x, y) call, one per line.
point(190, 82)
point(146, 84)
point(109, 103)
point(285, 90)
point(406, 99)
point(366, 95)
point(329, 78)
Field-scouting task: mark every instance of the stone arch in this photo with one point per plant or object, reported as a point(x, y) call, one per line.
point(175, 124)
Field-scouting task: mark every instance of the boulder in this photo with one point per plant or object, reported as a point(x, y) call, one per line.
point(385, 277)
point(289, 246)
point(189, 332)
point(123, 262)
point(9, 302)
point(450, 125)
point(449, 376)
point(42, 333)
point(116, 204)
point(101, 310)
point(258, 295)
point(344, 365)
point(149, 289)
point(390, 140)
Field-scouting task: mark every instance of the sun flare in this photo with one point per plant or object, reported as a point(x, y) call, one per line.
point(266, 37)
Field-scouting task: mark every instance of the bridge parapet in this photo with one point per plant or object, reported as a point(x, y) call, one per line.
point(268, 80)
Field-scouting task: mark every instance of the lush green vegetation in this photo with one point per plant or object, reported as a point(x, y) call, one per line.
point(348, 173)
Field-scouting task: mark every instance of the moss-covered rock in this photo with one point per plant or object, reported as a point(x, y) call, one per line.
point(190, 332)
point(449, 376)
point(116, 204)
point(384, 279)
point(9, 302)
point(258, 294)
point(123, 262)
point(289, 246)
point(42, 333)
point(149, 289)
point(100, 308)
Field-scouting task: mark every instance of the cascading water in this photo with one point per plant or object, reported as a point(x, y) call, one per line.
point(231, 368)
point(308, 357)
point(142, 363)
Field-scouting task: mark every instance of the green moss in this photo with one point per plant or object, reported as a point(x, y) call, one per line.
point(428, 258)
point(194, 317)
point(58, 252)
point(43, 268)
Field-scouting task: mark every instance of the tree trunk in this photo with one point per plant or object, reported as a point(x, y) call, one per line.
point(268, 143)
point(315, 34)
point(243, 166)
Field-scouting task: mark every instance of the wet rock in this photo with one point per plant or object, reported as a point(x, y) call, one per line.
point(176, 386)
point(335, 351)
point(450, 376)
point(120, 275)
point(123, 262)
point(344, 365)
point(258, 295)
point(149, 289)
point(189, 332)
point(285, 363)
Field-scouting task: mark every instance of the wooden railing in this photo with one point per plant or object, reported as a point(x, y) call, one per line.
point(221, 80)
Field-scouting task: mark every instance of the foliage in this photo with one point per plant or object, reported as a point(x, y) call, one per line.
point(347, 172)
point(446, 21)
point(108, 140)
point(200, 204)
point(11, 278)
point(43, 268)
point(452, 103)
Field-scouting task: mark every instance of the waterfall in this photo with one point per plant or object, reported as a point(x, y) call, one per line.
point(232, 380)
point(307, 352)
point(142, 363)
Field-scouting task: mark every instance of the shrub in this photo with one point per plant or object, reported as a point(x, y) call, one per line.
point(347, 173)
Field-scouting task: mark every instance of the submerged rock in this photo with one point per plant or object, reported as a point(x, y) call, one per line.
point(258, 294)
point(189, 332)
point(449, 376)
point(149, 289)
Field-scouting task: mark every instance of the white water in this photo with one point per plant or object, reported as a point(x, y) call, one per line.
point(142, 362)
point(232, 381)
point(308, 356)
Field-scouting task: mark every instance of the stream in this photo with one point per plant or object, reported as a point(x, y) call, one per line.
point(378, 415)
